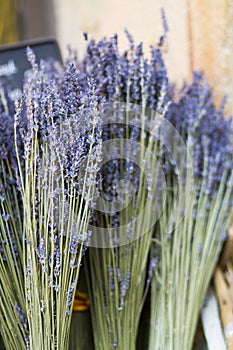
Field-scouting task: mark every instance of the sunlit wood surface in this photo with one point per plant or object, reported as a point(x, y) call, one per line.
point(200, 35)
point(9, 22)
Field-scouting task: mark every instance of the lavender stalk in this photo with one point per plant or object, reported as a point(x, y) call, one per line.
point(117, 268)
point(14, 327)
point(188, 246)
point(58, 185)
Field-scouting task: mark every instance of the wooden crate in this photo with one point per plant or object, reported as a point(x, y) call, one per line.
point(217, 312)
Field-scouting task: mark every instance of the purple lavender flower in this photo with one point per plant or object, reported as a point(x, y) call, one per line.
point(125, 284)
point(71, 90)
point(71, 292)
point(57, 263)
point(123, 77)
point(152, 266)
point(198, 120)
point(111, 278)
point(22, 317)
point(6, 217)
point(42, 254)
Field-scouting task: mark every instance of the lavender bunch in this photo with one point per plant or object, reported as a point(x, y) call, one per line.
point(117, 269)
point(127, 77)
point(14, 327)
point(58, 183)
point(192, 227)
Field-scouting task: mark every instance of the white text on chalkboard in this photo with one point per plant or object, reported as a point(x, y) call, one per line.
point(8, 68)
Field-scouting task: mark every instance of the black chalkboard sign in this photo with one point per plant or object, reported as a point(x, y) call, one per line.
point(14, 63)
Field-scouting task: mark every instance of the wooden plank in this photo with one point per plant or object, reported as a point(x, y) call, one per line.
point(212, 44)
point(9, 22)
point(227, 253)
point(37, 18)
point(225, 306)
point(211, 322)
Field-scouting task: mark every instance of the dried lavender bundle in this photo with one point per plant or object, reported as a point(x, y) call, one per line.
point(117, 270)
point(14, 327)
point(192, 229)
point(118, 265)
point(62, 151)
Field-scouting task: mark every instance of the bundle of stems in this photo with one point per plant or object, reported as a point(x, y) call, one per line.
point(13, 324)
point(58, 185)
point(118, 263)
point(11, 264)
point(186, 264)
point(192, 227)
point(118, 259)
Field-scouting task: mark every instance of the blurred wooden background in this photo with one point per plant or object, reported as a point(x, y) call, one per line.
point(200, 31)
point(9, 22)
